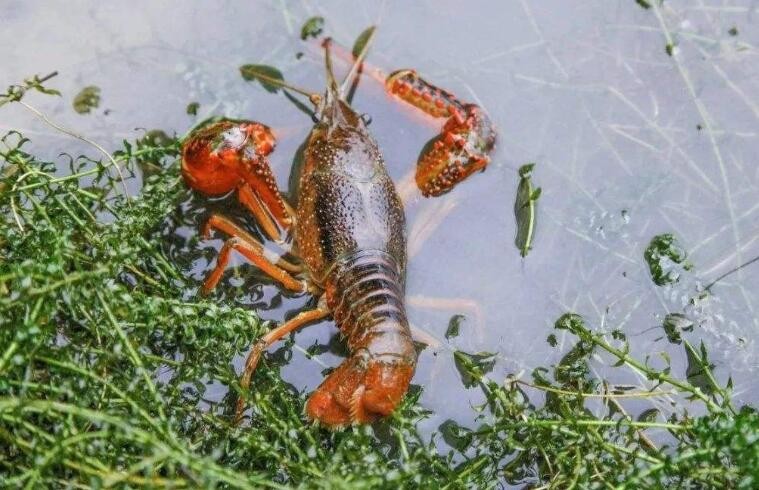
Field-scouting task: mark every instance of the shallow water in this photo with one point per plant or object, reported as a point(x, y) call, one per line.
point(629, 141)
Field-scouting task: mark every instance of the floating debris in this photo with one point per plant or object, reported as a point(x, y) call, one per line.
point(312, 28)
point(192, 108)
point(454, 326)
point(662, 252)
point(525, 209)
point(87, 99)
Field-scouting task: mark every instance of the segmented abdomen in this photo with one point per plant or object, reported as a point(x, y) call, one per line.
point(366, 294)
point(409, 86)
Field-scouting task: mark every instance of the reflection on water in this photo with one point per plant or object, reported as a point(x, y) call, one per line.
point(628, 141)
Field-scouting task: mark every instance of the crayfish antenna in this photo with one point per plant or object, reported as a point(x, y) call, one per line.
point(333, 92)
point(355, 69)
point(330, 108)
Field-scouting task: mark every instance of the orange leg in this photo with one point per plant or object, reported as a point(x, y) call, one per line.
point(219, 222)
point(301, 320)
point(255, 255)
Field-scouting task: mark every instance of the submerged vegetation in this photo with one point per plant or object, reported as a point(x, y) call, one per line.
point(105, 364)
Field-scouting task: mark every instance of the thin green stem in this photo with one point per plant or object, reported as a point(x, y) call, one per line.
point(654, 375)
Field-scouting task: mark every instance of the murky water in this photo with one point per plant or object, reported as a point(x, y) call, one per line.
point(629, 141)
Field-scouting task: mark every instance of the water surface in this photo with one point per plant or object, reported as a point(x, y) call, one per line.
point(640, 122)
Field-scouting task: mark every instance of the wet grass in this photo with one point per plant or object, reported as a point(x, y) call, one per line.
point(105, 366)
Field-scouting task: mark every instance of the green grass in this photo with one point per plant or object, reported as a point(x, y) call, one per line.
point(104, 364)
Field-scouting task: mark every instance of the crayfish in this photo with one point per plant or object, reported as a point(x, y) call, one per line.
point(346, 236)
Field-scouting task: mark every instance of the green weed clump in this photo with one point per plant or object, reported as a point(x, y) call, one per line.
point(106, 363)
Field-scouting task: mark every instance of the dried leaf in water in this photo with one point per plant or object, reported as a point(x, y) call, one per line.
point(525, 208)
point(312, 28)
point(269, 77)
point(87, 99)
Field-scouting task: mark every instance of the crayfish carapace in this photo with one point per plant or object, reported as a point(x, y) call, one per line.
point(346, 237)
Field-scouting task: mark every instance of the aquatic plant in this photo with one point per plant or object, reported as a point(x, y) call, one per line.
point(105, 365)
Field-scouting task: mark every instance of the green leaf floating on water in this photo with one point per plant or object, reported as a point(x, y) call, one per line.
point(454, 325)
point(312, 28)
point(361, 40)
point(472, 367)
point(87, 99)
point(662, 254)
point(192, 108)
point(269, 77)
point(525, 208)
